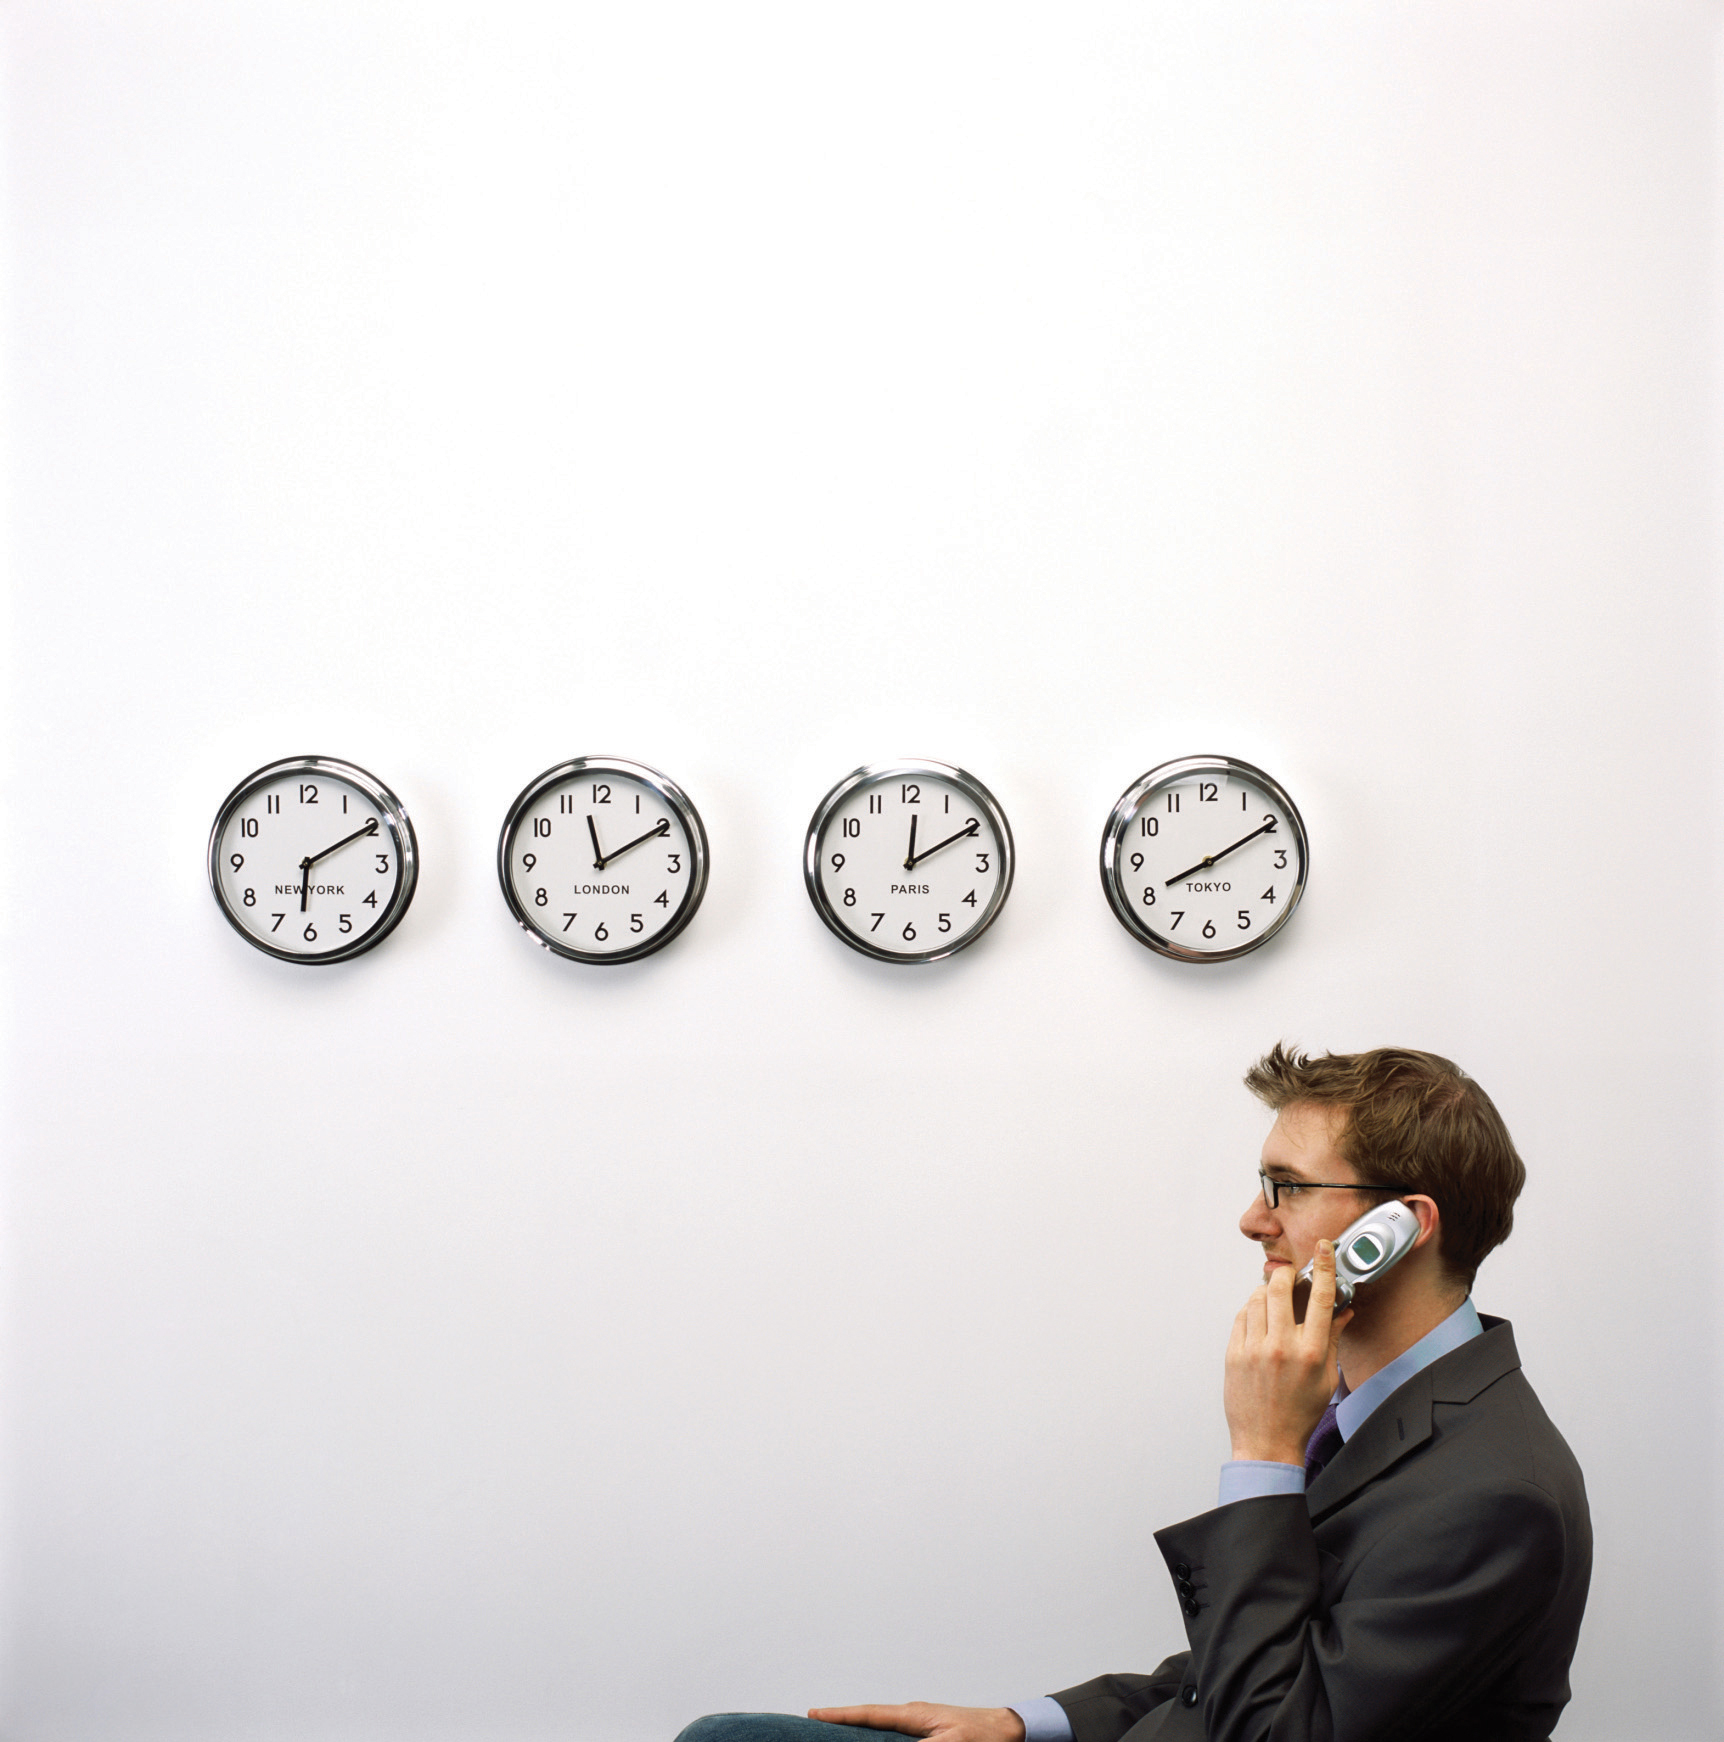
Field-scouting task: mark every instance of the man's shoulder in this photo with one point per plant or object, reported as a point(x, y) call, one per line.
point(1486, 1419)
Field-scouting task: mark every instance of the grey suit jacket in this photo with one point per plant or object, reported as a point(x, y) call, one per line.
point(1430, 1583)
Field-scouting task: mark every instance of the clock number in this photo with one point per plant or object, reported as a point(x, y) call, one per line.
point(675, 863)
point(1137, 861)
point(1207, 791)
point(541, 827)
point(272, 803)
point(370, 900)
point(876, 925)
point(876, 802)
point(236, 860)
point(852, 827)
point(948, 801)
point(1173, 801)
point(1280, 858)
point(1209, 928)
point(837, 863)
point(568, 920)
point(1268, 894)
point(909, 934)
point(346, 921)
point(382, 864)
point(304, 788)
point(1149, 895)
point(250, 898)
point(909, 793)
point(636, 923)
point(981, 864)
point(1244, 920)
point(637, 804)
point(278, 918)
point(538, 898)
point(344, 804)
point(970, 899)
point(849, 897)
point(248, 825)
point(1244, 799)
point(662, 899)
point(945, 922)
point(601, 793)
point(599, 931)
point(1149, 825)
point(528, 861)
point(1176, 919)
point(566, 803)
point(311, 934)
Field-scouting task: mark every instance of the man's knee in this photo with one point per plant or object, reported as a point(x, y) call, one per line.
point(751, 1727)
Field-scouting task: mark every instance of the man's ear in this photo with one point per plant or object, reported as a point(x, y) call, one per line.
point(1430, 1219)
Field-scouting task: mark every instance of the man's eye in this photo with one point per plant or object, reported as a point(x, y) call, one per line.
point(1288, 1189)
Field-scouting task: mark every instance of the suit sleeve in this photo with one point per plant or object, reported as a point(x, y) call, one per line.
point(1104, 1709)
point(1430, 1613)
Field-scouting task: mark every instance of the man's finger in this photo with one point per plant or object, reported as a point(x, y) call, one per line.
point(1257, 1314)
point(1280, 1301)
point(873, 1718)
point(1320, 1309)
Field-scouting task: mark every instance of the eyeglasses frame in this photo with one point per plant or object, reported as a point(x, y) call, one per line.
point(1272, 1188)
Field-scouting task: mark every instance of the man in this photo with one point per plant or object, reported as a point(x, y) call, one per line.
point(1402, 1547)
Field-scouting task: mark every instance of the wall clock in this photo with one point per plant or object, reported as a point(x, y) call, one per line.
point(1204, 859)
point(313, 860)
point(602, 860)
point(908, 861)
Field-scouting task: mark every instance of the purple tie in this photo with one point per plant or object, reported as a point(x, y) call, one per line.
point(1324, 1443)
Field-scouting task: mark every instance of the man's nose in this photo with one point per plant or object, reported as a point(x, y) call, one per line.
point(1259, 1221)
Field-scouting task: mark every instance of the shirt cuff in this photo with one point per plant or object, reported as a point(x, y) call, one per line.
point(1045, 1720)
point(1251, 1479)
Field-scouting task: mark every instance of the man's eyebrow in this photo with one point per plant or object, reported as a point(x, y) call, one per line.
point(1286, 1170)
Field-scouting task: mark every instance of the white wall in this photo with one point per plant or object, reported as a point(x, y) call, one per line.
point(461, 1343)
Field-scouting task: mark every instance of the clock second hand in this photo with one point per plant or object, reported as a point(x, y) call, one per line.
point(1213, 858)
point(305, 865)
point(964, 834)
point(659, 829)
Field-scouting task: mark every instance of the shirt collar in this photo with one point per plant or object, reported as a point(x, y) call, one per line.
point(1461, 1326)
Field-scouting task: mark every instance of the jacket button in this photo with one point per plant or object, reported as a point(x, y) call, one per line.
point(1186, 1589)
point(1188, 1695)
point(1182, 1570)
point(1189, 1605)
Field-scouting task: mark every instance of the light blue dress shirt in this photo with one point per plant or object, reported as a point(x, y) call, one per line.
point(1045, 1719)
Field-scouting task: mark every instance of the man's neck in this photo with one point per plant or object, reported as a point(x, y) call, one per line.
point(1386, 1326)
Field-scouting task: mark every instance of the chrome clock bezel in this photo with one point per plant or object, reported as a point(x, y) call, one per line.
point(1167, 774)
point(395, 818)
point(873, 773)
point(672, 795)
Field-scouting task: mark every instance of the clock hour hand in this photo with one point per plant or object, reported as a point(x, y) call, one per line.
point(1204, 863)
point(964, 834)
point(656, 832)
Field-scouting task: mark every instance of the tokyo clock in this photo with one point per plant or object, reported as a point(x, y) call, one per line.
point(1204, 859)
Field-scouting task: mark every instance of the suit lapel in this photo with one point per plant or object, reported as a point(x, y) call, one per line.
point(1401, 1423)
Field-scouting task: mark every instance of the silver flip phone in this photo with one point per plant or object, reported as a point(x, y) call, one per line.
point(1379, 1239)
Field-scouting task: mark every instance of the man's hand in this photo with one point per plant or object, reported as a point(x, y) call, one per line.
point(941, 1723)
point(1280, 1373)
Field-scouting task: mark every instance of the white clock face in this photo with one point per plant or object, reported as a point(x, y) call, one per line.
point(313, 860)
point(1204, 859)
point(603, 861)
point(909, 861)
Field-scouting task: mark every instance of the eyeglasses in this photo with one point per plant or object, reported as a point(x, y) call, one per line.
point(1274, 1188)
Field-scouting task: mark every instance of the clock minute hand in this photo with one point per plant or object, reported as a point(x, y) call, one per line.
point(1204, 863)
point(346, 840)
point(598, 851)
point(910, 851)
point(659, 829)
point(306, 864)
point(963, 834)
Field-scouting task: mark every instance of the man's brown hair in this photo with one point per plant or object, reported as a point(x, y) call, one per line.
point(1417, 1123)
